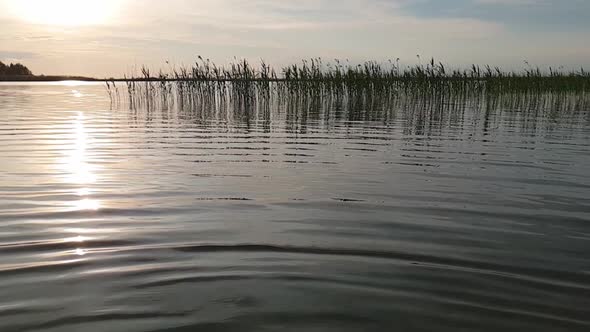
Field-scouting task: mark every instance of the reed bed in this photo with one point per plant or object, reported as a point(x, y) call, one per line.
point(241, 85)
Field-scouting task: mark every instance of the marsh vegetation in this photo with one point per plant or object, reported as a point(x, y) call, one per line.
point(370, 86)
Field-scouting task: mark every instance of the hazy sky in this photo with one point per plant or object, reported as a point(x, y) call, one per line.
point(110, 37)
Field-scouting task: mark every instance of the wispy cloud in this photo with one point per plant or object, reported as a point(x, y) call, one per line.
point(458, 31)
point(510, 2)
point(13, 57)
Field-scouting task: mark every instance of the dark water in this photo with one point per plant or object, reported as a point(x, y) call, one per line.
point(329, 217)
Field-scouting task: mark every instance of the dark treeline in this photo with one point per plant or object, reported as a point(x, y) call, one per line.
point(16, 72)
point(14, 69)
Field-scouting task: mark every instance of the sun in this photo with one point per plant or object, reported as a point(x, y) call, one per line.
point(64, 12)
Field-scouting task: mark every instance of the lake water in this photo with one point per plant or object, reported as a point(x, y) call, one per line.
point(303, 216)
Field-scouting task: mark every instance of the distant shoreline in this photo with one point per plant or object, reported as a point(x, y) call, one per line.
point(25, 78)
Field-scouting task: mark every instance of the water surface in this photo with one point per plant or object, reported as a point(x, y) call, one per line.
point(305, 216)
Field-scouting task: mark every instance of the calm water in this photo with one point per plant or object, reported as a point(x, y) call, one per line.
point(291, 217)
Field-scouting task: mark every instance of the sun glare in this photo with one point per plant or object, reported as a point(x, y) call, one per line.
point(65, 12)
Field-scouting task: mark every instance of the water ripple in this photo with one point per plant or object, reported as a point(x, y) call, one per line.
point(312, 216)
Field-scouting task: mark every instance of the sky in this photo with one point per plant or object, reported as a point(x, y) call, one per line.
point(104, 38)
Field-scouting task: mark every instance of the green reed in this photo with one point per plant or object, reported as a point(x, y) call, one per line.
point(241, 84)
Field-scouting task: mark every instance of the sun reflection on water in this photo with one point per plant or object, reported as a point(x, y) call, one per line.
point(77, 167)
point(80, 175)
point(81, 172)
point(77, 239)
point(87, 205)
point(83, 192)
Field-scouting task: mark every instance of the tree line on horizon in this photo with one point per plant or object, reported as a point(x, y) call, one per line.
point(14, 69)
